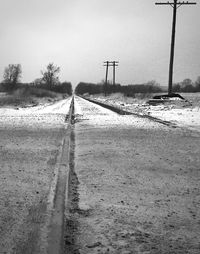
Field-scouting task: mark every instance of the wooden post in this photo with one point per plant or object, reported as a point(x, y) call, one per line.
point(171, 62)
point(106, 79)
point(107, 64)
point(175, 6)
point(114, 63)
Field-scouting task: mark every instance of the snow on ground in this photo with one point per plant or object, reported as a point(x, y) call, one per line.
point(186, 117)
point(138, 188)
point(44, 115)
point(101, 117)
point(31, 143)
point(181, 113)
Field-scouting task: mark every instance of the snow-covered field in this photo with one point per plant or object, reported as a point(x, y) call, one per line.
point(51, 115)
point(181, 113)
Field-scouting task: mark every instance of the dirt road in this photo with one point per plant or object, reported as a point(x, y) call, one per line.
point(31, 142)
point(135, 186)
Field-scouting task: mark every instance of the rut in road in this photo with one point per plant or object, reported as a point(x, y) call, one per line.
point(56, 232)
point(71, 223)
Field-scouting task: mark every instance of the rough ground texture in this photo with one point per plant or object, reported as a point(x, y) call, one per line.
point(136, 185)
point(183, 113)
point(30, 143)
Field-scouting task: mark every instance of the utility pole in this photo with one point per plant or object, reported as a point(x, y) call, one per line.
point(175, 5)
point(106, 79)
point(115, 63)
point(107, 64)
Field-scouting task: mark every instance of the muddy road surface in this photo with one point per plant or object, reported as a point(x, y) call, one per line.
point(135, 185)
point(30, 148)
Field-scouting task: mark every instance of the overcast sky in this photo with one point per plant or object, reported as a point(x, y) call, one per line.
point(78, 35)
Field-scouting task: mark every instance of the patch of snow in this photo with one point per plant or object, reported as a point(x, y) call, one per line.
point(179, 112)
point(101, 117)
point(44, 116)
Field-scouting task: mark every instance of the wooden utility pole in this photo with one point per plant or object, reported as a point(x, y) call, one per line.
point(106, 79)
point(175, 5)
point(107, 64)
point(115, 63)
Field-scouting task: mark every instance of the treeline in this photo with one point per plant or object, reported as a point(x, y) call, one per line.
point(129, 90)
point(90, 88)
point(148, 88)
point(64, 87)
point(187, 86)
point(49, 80)
point(60, 87)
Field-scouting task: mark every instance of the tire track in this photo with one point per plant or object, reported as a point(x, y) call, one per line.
point(59, 193)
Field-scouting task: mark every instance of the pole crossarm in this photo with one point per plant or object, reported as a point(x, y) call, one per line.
point(177, 3)
point(108, 64)
point(115, 63)
point(111, 63)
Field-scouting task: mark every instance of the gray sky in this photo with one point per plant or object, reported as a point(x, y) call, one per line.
point(78, 35)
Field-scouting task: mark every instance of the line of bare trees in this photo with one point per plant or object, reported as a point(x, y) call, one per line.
point(49, 79)
point(187, 86)
point(130, 90)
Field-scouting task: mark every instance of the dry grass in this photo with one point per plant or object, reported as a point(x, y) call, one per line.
point(30, 96)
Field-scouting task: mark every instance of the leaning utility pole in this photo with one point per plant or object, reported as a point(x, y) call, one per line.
point(175, 5)
point(106, 79)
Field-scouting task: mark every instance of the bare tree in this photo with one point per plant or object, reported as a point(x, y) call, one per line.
point(187, 85)
point(50, 76)
point(12, 74)
point(197, 84)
